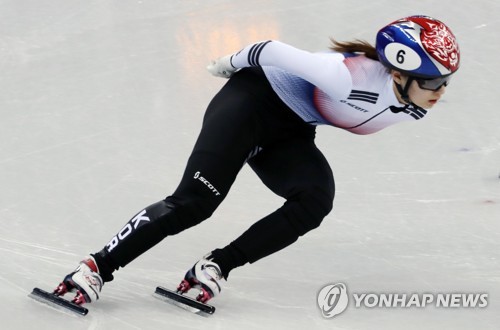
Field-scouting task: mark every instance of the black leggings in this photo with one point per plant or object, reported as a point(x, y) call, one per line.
point(246, 122)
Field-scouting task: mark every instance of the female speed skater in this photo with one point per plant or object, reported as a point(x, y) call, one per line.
point(265, 116)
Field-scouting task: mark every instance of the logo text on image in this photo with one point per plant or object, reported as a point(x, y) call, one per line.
point(403, 300)
point(333, 299)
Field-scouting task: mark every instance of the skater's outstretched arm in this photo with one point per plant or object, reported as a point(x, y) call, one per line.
point(321, 69)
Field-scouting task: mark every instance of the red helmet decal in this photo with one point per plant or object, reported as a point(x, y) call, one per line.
point(439, 42)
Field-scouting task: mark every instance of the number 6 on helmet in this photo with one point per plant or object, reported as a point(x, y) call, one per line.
point(419, 46)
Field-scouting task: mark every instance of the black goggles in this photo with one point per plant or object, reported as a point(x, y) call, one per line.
point(433, 84)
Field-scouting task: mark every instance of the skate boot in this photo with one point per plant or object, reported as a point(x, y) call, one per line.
point(85, 281)
point(205, 275)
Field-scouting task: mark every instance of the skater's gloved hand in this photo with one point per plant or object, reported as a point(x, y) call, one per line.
point(222, 67)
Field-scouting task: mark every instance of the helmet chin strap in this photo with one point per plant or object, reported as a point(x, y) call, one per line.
point(403, 92)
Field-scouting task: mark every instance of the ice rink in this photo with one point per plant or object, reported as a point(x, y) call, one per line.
point(101, 102)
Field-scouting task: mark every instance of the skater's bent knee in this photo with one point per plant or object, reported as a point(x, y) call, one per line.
point(186, 213)
point(317, 201)
point(309, 208)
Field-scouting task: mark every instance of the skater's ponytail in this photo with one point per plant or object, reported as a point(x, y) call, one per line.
point(356, 46)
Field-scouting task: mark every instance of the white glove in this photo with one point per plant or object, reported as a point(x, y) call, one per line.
point(222, 67)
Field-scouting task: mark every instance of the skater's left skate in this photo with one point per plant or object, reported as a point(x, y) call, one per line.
point(205, 275)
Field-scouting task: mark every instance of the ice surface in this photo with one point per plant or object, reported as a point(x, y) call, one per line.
point(101, 102)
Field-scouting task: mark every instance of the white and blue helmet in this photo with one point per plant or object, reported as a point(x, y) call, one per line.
point(419, 46)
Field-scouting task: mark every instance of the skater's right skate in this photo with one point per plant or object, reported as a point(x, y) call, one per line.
point(85, 281)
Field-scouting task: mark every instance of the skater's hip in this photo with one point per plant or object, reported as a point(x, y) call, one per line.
point(248, 99)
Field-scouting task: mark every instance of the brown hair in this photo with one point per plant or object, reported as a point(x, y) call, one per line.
point(356, 46)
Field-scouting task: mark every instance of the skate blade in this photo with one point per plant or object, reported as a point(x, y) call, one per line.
point(57, 302)
point(184, 302)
